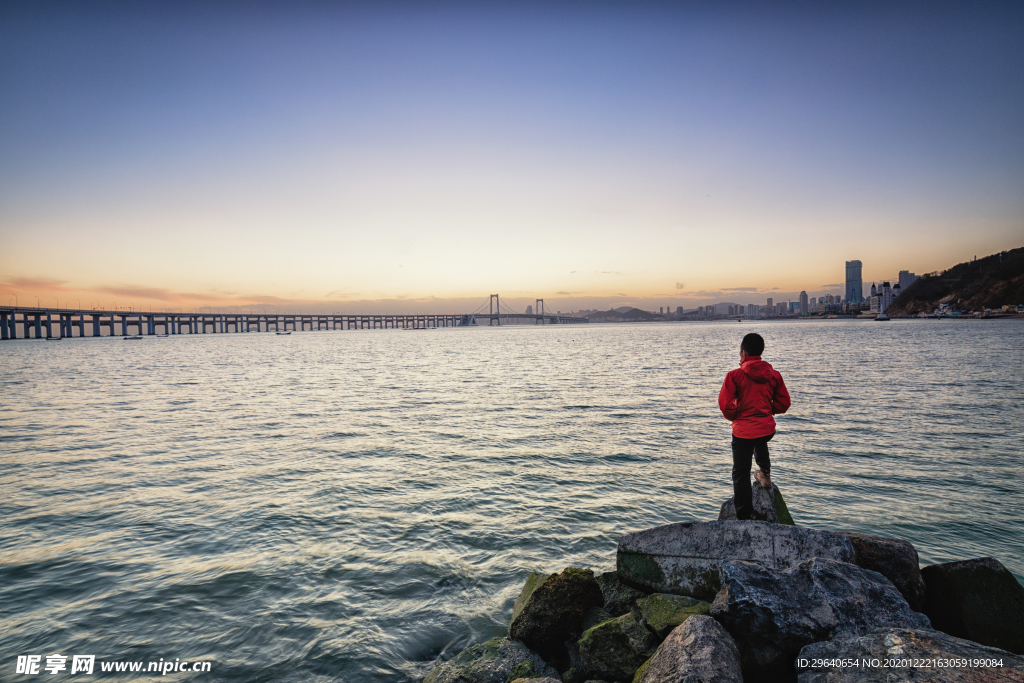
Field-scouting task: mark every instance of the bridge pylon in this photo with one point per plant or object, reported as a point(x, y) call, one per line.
point(538, 309)
point(495, 306)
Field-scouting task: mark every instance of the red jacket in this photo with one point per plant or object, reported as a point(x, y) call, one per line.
point(750, 395)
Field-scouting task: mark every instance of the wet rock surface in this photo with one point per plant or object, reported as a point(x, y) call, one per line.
point(685, 558)
point(895, 655)
point(977, 599)
point(699, 651)
point(550, 610)
point(489, 662)
point(896, 560)
point(773, 614)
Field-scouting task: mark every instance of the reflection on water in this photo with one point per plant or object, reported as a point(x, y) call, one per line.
point(352, 505)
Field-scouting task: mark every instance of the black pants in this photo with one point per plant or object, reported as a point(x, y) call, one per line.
point(742, 449)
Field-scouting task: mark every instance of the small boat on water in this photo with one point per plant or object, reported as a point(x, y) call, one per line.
point(132, 338)
point(54, 338)
point(284, 333)
point(162, 335)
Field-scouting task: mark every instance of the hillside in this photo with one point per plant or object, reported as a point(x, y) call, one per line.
point(988, 282)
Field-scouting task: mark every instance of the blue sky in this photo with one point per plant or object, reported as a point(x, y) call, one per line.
point(422, 154)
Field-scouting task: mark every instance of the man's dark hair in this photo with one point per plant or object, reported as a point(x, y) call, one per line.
point(753, 344)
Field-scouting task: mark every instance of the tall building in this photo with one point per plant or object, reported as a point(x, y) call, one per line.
point(529, 310)
point(803, 303)
point(769, 303)
point(752, 310)
point(854, 285)
point(679, 311)
point(906, 279)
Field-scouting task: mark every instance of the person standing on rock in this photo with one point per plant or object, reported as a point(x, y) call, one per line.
point(750, 396)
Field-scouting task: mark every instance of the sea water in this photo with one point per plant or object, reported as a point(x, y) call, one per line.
point(356, 505)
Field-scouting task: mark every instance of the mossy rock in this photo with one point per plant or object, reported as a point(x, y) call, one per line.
point(550, 611)
point(523, 669)
point(614, 650)
point(489, 662)
point(662, 612)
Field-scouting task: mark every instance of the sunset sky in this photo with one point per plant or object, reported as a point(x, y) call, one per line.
point(420, 156)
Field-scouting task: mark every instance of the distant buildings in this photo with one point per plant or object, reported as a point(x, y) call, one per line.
point(906, 279)
point(803, 303)
point(882, 298)
point(854, 284)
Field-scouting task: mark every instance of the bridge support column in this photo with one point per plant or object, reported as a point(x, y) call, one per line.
point(3, 326)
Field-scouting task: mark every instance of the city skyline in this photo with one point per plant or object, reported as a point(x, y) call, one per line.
point(402, 159)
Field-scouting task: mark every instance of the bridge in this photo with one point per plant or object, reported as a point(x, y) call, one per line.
point(60, 323)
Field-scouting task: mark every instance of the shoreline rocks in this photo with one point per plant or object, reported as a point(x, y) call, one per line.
point(489, 662)
point(685, 558)
point(896, 560)
point(731, 601)
point(699, 651)
point(773, 614)
point(550, 611)
point(977, 599)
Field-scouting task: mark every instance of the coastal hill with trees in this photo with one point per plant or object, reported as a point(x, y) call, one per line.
point(989, 282)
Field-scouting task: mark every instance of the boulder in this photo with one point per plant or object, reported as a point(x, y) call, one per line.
point(618, 597)
point(662, 612)
point(614, 650)
point(773, 614)
point(977, 599)
point(768, 506)
point(896, 560)
point(684, 558)
point(929, 654)
point(549, 612)
point(594, 616)
point(490, 662)
point(699, 651)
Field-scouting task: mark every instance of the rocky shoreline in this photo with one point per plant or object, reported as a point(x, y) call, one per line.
point(757, 601)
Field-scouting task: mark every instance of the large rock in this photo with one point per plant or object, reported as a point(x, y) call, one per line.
point(685, 558)
point(773, 614)
point(699, 651)
point(769, 506)
point(490, 662)
point(619, 598)
point(896, 560)
point(614, 650)
point(663, 612)
point(979, 600)
point(550, 610)
point(932, 656)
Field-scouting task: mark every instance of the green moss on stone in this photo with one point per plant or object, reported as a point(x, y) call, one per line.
point(638, 677)
point(521, 670)
point(533, 582)
point(662, 612)
point(640, 569)
point(782, 510)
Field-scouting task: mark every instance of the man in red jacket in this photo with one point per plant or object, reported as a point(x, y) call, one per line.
point(751, 394)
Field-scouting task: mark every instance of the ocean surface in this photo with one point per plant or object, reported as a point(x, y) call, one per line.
point(356, 505)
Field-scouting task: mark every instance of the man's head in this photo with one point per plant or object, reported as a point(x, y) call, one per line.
point(752, 345)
